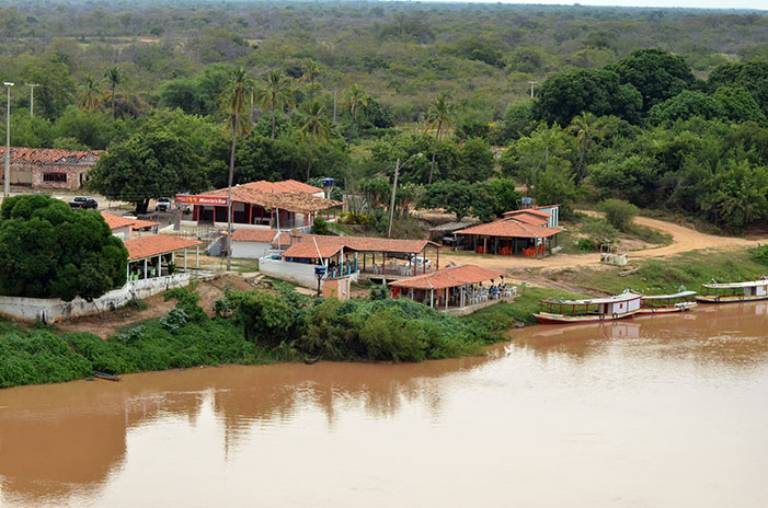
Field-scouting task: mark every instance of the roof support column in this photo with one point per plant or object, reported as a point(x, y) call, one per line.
point(185, 260)
point(197, 257)
point(446, 297)
point(160, 265)
point(432, 298)
point(146, 268)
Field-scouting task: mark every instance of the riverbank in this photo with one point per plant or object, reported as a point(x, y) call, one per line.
point(266, 326)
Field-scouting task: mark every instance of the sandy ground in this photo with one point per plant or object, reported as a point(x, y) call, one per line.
point(684, 239)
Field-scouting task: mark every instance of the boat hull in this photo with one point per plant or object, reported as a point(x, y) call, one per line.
point(729, 299)
point(688, 306)
point(546, 318)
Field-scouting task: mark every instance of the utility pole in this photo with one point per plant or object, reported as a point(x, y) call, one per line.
point(392, 201)
point(533, 85)
point(7, 168)
point(32, 98)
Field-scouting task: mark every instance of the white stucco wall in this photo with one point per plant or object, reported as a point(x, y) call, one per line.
point(297, 273)
point(250, 250)
point(123, 233)
point(51, 310)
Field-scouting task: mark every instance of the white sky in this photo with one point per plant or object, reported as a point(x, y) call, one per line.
point(707, 4)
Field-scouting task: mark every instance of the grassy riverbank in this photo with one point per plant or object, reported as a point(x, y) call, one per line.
point(250, 328)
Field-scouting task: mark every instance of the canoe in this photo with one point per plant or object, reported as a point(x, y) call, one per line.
point(106, 376)
point(678, 307)
point(729, 298)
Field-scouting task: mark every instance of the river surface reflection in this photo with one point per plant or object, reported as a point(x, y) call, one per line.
point(662, 411)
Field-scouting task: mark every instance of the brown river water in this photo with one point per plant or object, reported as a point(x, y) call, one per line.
point(662, 411)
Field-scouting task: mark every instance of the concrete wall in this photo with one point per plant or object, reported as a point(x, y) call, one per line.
point(250, 250)
point(297, 273)
point(51, 310)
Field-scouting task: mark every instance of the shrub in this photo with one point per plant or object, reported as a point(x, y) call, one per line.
point(620, 214)
point(760, 254)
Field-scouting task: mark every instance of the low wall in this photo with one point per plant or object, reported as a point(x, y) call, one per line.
point(51, 310)
point(298, 273)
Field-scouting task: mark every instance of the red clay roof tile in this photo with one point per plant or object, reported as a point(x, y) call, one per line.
point(154, 245)
point(450, 277)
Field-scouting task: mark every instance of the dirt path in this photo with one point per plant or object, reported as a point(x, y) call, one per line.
point(684, 239)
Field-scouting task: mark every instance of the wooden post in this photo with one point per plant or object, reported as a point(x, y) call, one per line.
point(185, 260)
point(446, 298)
point(432, 298)
point(197, 257)
point(146, 268)
point(437, 255)
point(250, 213)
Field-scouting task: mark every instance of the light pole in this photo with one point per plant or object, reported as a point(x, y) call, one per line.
point(32, 98)
point(533, 85)
point(7, 167)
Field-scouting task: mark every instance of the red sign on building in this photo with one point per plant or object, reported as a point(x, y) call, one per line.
point(191, 199)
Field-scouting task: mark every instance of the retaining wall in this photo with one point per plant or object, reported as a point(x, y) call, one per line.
point(51, 310)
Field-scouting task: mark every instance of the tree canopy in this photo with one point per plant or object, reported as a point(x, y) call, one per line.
point(52, 251)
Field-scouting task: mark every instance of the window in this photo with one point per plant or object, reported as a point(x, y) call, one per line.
point(54, 177)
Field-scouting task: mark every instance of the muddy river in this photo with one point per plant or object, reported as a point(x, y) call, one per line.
point(657, 412)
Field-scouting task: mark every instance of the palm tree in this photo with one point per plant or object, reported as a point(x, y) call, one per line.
point(438, 117)
point(91, 98)
point(357, 99)
point(587, 129)
point(114, 77)
point(310, 71)
point(274, 96)
point(315, 128)
point(234, 99)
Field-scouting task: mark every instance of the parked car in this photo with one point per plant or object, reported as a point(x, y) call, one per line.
point(84, 202)
point(163, 205)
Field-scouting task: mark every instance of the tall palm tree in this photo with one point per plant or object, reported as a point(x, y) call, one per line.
point(235, 100)
point(310, 70)
point(357, 99)
point(91, 95)
point(586, 128)
point(275, 95)
point(114, 77)
point(314, 127)
point(438, 117)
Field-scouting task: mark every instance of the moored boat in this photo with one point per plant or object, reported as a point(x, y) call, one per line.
point(734, 292)
point(610, 308)
point(666, 304)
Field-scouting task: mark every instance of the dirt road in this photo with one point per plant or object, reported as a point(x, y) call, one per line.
point(684, 239)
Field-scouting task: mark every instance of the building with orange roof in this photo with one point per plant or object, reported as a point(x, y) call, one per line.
point(528, 232)
point(459, 289)
point(51, 168)
point(122, 227)
point(278, 205)
point(154, 256)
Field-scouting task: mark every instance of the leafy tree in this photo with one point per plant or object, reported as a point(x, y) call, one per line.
point(587, 130)
point(686, 105)
point(52, 251)
point(475, 161)
point(656, 74)
point(356, 100)
point(546, 147)
point(519, 120)
point(619, 213)
point(93, 129)
point(56, 90)
point(267, 319)
point(480, 49)
point(738, 195)
point(555, 185)
point(91, 96)
point(494, 197)
point(753, 76)
point(570, 93)
point(456, 197)
point(738, 105)
point(156, 161)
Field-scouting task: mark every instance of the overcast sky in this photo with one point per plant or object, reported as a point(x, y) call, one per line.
point(708, 4)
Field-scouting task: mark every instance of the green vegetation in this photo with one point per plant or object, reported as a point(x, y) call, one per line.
point(668, 275)
point(187, 97)
point(620, 214)
point(49, 250)
point(505, 315)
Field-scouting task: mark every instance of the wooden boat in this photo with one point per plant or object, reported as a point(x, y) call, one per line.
point(734, 292)
point(106, 376)
point(665, 304)
point(592, 310)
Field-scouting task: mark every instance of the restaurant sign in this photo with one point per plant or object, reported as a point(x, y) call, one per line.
point(192, 199)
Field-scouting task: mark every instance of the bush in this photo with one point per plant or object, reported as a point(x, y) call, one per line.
point(620, 214)
point(760, 254)
point(598, 231)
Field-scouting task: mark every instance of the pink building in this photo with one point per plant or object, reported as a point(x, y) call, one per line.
point(50, 168)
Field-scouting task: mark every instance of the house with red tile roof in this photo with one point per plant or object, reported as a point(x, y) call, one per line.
point(278, 205)
point(123, 227)
point(528, 232)
point(51, 168)
point(154, 256)
point(459, 289)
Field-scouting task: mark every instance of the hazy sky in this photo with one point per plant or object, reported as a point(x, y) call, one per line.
point(708, 4)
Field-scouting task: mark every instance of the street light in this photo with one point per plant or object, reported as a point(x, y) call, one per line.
point(7, 168)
